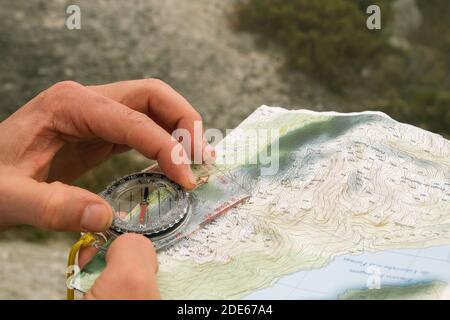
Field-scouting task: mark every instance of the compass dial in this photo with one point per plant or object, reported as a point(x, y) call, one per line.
point(146, 203)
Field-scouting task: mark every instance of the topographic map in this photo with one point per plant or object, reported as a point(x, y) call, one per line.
point(359, 208)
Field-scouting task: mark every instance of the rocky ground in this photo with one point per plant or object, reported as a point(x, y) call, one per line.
point(33, 270)
point(189, 44)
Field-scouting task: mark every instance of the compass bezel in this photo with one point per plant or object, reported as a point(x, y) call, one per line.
point(178, 213)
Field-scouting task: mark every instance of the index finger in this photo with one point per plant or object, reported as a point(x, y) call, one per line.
point(81, 113)
point(163, 104)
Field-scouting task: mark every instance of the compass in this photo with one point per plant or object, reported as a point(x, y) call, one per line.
point(147, 203)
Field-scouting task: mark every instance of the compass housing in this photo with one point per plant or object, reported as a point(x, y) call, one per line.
point(147, 203)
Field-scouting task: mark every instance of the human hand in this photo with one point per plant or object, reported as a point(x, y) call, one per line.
point(129, 274)
point(67, 130)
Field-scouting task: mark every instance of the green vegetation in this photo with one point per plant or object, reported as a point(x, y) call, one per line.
point(325, 39)
point(329, 42)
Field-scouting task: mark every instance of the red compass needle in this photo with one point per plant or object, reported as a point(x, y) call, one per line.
point(144, 206)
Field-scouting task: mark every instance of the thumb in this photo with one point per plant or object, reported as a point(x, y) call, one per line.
point(130, 272)
point(53, 206)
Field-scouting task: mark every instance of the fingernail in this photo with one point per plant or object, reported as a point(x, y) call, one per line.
point(192, 178)
point(96, 217)
point(209, 154)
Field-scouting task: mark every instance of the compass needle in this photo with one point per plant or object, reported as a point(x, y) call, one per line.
point(131, 200)
point(159, 204)
point(144, 206)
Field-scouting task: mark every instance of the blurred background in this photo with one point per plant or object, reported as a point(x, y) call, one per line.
point(227, 57)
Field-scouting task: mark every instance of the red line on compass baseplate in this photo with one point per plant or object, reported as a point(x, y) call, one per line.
point(224, 207)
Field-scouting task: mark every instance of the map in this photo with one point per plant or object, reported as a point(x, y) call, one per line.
point(358, 208)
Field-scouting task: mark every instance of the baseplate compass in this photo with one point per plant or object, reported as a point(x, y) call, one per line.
point(150, 204)
point(147, 203)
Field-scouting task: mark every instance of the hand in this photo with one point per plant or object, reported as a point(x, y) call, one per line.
point(129, 274)
point(67, 130)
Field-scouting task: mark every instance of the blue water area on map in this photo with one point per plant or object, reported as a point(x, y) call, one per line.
point(369, 270)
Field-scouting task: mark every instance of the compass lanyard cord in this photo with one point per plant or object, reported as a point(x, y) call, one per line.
point(86, 240)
